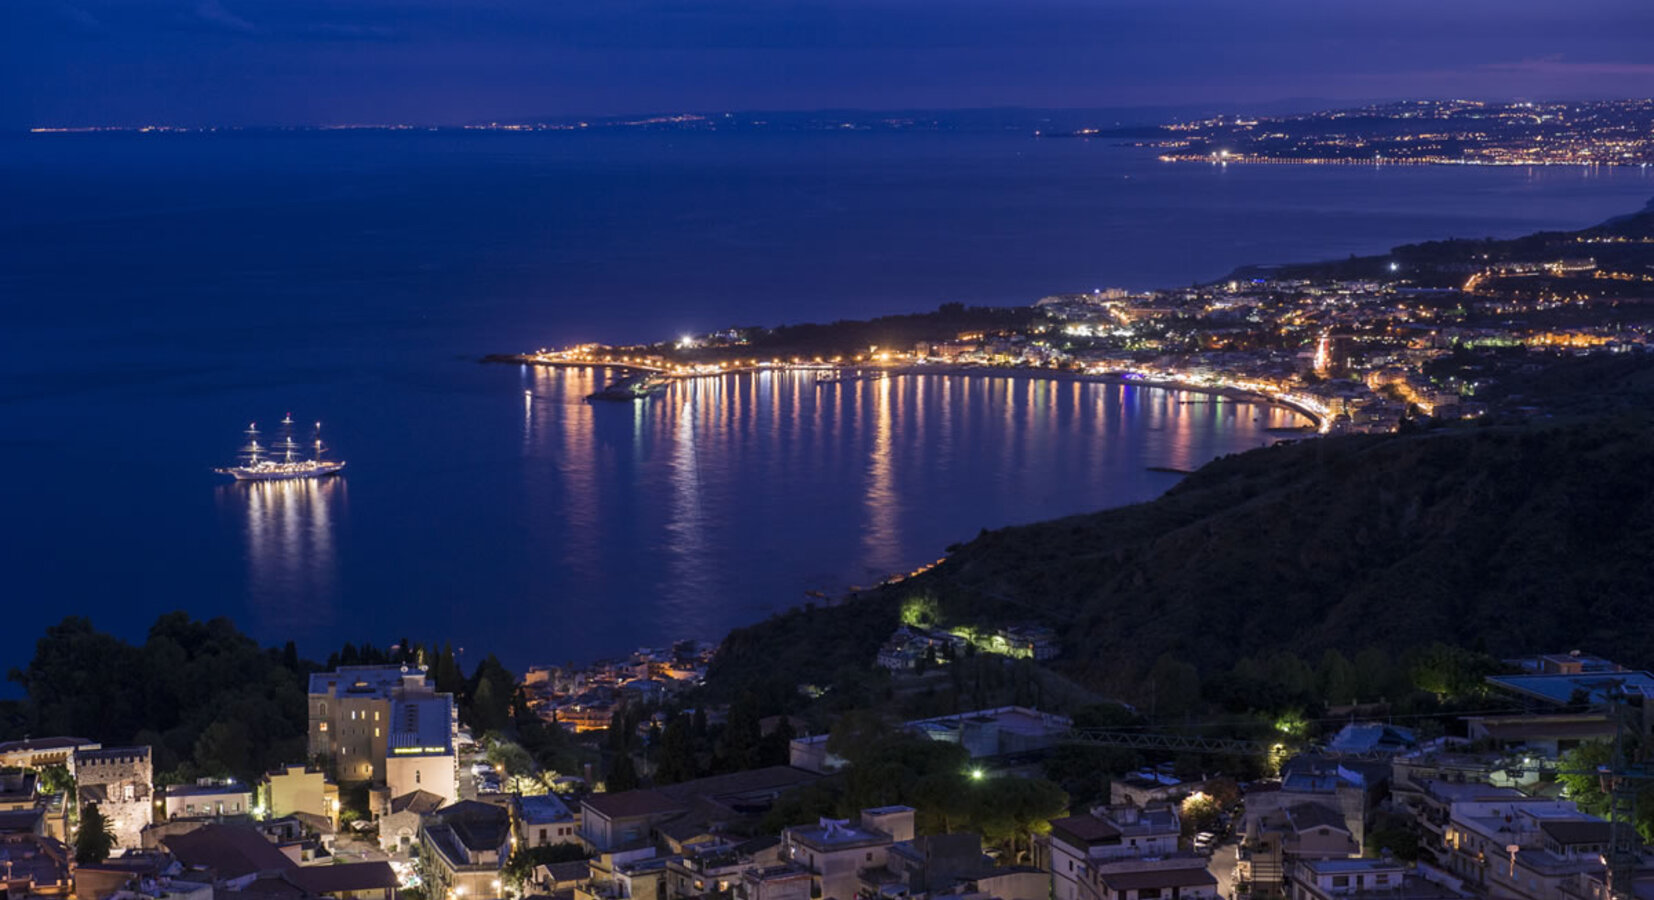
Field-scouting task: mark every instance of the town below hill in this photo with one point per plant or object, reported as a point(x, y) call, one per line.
point(397, 798)
point(1433, 332)
point(1414, 132)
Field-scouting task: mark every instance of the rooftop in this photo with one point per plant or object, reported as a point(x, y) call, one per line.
point(422, 724)
point(1519, 728)
point(1314, 815)
point(1461, 792)
point(835, 834)
point(1015, 719)
point(1085, 830)
point(203, 790)
point(630, 804)
point(543, 808)
point(1345, 866)
point(1561, 689)
point(420, 803)
point(1577, 831)
point(110, 753)
point(230, 851)
point(31, 745)
point(474, 825)
point(362, 681)
point(345, 877)
point(575, 870)
point(1144, 879)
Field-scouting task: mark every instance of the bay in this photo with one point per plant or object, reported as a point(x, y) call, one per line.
point(160, 291)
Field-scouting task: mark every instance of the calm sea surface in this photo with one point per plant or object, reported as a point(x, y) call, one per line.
point(161, 291)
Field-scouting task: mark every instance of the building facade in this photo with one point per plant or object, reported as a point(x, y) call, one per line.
point(120, 780)
point(362, 716)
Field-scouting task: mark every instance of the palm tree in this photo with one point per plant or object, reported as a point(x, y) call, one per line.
point(94, 839)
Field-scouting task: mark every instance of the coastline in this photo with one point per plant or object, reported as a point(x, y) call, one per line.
point(1317, 419)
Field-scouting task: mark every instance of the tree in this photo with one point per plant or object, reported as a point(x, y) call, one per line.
point(622, 774)
point(95, 838)
point(1200, 812)
point(1005, 808)
point(1174, 686)
point(1336, 679)
point(519, 869)
point(1578, 772)
point(741, 735)
point(513, 761)
point(677, 753)
point(224, 748)
point(57, 780)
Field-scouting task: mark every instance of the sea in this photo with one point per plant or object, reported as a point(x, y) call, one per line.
point(162, 291)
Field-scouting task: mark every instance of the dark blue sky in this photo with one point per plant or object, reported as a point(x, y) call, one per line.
point(192, 62)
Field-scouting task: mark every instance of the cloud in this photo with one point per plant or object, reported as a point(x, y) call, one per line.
point(78, 18)
point(212, 14)
point(341, 32)
point(1556, 66)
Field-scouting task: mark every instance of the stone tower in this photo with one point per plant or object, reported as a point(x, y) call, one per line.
point(120, 781)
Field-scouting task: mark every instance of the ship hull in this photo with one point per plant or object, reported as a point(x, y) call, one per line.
point(321, 470)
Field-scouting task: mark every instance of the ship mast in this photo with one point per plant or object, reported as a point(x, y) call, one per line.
point(287, 446)
point(252, 451)
point(317, 448)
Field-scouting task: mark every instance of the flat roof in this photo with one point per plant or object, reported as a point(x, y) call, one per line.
point(111, 753)
point(361, 681)
point(200, 790)
point(1140, 879)
point(627, 804)
point(1328, 866)
point(1560, 689)
point(1015, 719)
point(834, 835)
point(1514, 728)
point(544, 808)
point(422, 723)
point(1087, 829)
point(48, 743)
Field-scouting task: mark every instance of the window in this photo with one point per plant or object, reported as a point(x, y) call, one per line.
point(322, 726)
point(376, 731)
point(416, 776)
point(869, 856)
point(1148, 894)
point(542, 835)
point(1340, 881)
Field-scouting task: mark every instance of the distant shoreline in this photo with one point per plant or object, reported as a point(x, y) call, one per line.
point(946, 369)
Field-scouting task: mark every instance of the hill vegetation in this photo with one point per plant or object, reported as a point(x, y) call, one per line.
point(1320, 572)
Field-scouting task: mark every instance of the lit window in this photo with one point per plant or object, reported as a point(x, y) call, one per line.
point(322, 727)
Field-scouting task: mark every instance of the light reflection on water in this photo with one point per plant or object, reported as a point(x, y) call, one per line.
point(288, 528)
point(607, 525)
point(725, 498)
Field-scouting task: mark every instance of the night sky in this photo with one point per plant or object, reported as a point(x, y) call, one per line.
point(198, 62)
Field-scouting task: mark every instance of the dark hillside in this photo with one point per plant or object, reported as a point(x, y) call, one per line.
point(1513, 540)
point(1509, 540)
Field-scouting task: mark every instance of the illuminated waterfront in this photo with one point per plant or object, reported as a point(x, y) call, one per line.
point(488, 505)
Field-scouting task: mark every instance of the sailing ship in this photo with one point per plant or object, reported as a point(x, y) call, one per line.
point(284, 458)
